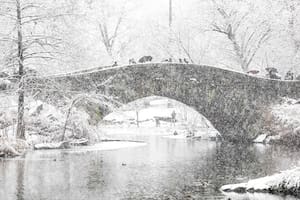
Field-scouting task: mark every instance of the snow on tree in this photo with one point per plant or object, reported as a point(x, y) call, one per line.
point(246, 38)
point(31, 45)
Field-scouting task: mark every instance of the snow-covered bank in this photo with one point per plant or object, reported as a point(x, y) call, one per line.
point(257, 196)
point(12, 148)
point(46, 123)
point(284, 125)
point(286, 182)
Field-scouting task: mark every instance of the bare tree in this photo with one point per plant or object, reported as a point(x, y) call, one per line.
point(183, 46)
point(20, 58)
point(109, 39)
point(110, 30)
point(32, 46)
point(293, 8)
point(245, 38)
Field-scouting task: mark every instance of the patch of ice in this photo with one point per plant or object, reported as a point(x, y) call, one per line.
point(175, 136)
point(106, 146)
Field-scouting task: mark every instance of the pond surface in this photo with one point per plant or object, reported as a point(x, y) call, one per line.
point(163, 169)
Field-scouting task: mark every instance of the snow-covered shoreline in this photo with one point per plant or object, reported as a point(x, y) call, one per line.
point(257, 196)
point(101, 146)
point(286, 183)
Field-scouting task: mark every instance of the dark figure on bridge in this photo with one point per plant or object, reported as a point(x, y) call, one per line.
point(173, 116)
point(145, 59)
point(180, 60)
point(186, 61)
point(157, 122)
point(115, 64)
point(289, 76)
point(132, 61)
point(253, 72)
point(272, 73)
point(170, 60)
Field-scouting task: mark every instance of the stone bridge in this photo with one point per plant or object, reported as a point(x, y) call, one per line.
point(238, 105)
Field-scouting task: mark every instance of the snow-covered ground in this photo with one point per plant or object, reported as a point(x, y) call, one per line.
point(144, 114)
point(150, 107)
point(45, 122)
point(286, 182)
point(124, 120)
point(257, 196)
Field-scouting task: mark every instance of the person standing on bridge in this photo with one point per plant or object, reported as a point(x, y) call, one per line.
point(185, 61)
point(289, 76)
point(173, 117)
point(115, 64)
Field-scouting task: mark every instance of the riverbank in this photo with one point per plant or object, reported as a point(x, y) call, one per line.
point(46, 123)
point(286, 183)
point(12, 148)
point(16, 148)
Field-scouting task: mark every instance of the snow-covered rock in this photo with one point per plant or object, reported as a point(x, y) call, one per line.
point(261, 138)
point(272, 139)
point(12, 147)
point(286, 182)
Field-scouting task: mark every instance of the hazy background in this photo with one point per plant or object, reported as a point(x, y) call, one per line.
point(144, 30)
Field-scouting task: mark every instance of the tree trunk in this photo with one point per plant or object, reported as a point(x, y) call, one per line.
point(67, 119)
point(20, 122)
point(170, 14)
point(137, 118)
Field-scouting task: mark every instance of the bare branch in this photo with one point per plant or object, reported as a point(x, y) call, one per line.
point(36, 18)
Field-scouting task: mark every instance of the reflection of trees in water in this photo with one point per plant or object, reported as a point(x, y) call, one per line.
point(20, 180)
point(234, 163)
point(277, 157)
point(66, 174)
point(95, 174)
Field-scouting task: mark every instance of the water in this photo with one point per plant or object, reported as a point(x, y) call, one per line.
point(163, 169)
